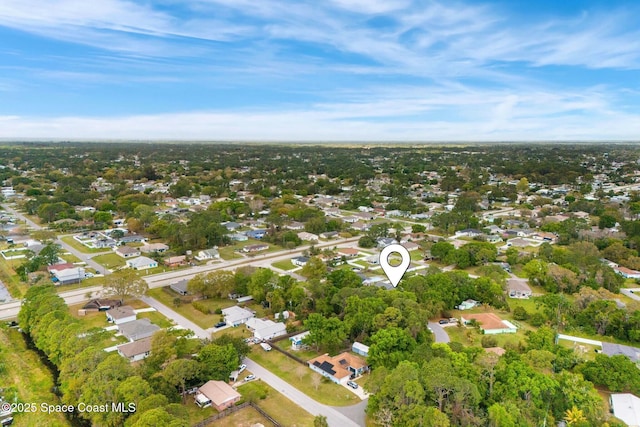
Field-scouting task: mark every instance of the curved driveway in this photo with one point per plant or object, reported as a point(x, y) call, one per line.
point(439, 333)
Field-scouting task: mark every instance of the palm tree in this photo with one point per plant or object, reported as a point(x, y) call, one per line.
point(574, 416)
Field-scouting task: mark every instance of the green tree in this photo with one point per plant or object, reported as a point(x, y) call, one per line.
point(125, 284)
point(217, 361)
point(179, 372)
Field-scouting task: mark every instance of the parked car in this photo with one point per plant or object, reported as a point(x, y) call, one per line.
point(242, 368)
point(221, 324)
point(443, 321)
point(352, 385)
point(250, 377)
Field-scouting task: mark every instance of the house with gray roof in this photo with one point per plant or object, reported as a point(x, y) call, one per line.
point(138, 329)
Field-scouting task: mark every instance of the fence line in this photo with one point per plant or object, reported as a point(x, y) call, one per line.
point(235, 409)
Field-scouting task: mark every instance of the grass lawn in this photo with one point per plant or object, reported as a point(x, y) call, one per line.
point(110, 260)
point(280, 365)
point(80, 247)
point(197, 414)
point(276, 405)
point(416, 255)
point(26, 378)
point(229, 252)
point(69, 257)
point(156, 318)
point(8, 276)
point(92, 319)
point(285, 265)
point(243, 418)
point(166, 297)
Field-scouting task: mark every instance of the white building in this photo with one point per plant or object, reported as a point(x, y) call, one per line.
point(142, 263)
point(266, 329)
point(626, 407)
point(236, 315)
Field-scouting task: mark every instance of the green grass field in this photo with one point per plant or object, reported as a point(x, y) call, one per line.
point(110, 260)
point(285, 265)
point(8, 276)
point(80, 247)
point(287, 369)
point(25, 377)
point(156, 318)
point(276, 405)
point(167, 297)
point(243, 418)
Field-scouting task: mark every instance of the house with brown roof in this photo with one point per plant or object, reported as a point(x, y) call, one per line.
point(101, 304)
point(127, 251)
point(348, 252)
point(175, 261)
point(340, 368)
point(218, 394)
point(136, 350)
point(490, 324)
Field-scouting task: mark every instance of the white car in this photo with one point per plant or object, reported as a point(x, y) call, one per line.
point(250, 377)
point(242, 368)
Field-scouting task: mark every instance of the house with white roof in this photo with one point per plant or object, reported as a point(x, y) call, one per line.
point(265, 329)
point(626, 407)
point(236, 315)
point(141, 263)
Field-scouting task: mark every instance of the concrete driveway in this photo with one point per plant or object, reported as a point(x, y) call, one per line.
point(439, 333)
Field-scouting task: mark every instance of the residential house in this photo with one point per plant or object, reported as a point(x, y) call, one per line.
point(175, 261)
point(238, 237)
point(101, 304)
point(127, 251)
point(300, 261)
point(138, 329)
point(231, 226)
point(386, 241)
point(120, 315)
point(467, 304)
point(180, 287)
point(360, 226)
point(294, 225)
point(627, 273)
point(490, 324)
point(63, 275)
point(256, 234)
point(142, 263)
point(340, 368)
point(411, 246)
point(255, 248)
point(348, 252)
point(208, 254)
point(297, 341)
point(310, 237)
point(136, 350)
point(361, 349)
point(131, 238)
point(329, 235)
point(265, 329)
point(236, 315)
point(373, 259)
point(468, 232)
point(626, 408)
point(493, 238)
point(518, 288)
point(154, 247)
point(218, 394)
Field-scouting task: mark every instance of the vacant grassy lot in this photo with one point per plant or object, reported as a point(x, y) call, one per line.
point(285, 265)
point(276, 405)
point(156, 318)
point(244, 418)
point(8, 276)
point(25, 377)
point(110, 260)
point(166, 296)
point(287, 369)
point(229, 252)
point(69, 240)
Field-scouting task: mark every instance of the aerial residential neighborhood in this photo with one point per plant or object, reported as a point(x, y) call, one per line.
point(517, 272)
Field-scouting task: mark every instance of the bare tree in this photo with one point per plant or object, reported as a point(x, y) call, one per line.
point(315, 381)
point(301, 371)
point(125, 284)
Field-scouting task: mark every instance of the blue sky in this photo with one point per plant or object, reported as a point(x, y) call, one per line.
point(329, 70)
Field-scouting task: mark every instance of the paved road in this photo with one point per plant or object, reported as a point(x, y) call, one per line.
point(178, 318)
point(80, 255)
point(631, 293)
point(439, 333)
point(334, 417)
